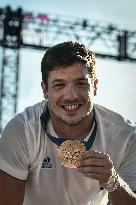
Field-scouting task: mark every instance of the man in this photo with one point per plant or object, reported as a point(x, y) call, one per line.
point(66, 150)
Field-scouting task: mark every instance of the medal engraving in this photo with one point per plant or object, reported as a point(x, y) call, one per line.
point(69, 153)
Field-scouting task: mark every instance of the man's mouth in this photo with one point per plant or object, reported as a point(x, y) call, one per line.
point(71, 107)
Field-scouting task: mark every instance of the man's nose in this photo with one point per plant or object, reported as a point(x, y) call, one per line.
point(71, 92)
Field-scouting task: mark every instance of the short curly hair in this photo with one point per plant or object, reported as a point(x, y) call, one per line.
point(66, 54)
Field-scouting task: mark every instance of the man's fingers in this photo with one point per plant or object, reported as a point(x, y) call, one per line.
point(93, 158)
point(94, 154)
point(95, 162)
point(96, 170)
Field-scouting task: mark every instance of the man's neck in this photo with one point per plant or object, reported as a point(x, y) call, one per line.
point(80, 131)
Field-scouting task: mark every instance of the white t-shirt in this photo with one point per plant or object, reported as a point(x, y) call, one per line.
point(27, 154)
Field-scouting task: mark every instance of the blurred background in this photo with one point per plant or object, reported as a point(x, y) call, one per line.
point(28, 28)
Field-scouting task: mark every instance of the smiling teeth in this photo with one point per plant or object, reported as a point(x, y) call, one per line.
point(71, 107)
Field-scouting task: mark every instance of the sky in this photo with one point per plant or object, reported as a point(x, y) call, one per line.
point(117, 80)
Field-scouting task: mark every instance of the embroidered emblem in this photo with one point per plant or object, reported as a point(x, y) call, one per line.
point(47, 163)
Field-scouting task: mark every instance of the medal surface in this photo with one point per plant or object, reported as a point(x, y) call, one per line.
point(69, 153)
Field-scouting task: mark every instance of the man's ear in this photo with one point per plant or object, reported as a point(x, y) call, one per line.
point(45, 90)
point(95, 86)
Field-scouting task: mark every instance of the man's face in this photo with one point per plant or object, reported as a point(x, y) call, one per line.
point(70, 94)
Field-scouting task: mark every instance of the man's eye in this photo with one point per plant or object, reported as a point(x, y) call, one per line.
point(82, 84)
point(59, 85)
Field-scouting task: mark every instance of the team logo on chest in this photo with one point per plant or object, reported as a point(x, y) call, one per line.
point(47, 163)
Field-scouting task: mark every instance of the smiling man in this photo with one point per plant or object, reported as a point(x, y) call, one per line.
point(67, 150)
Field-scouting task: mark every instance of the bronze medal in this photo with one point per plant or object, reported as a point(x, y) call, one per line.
point(69, 153)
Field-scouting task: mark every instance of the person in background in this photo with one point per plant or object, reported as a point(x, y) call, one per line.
point(67, 150)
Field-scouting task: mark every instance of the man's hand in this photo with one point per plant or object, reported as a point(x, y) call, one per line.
point(97, 165)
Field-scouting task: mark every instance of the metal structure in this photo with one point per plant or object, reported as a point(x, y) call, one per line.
point(19, 29)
